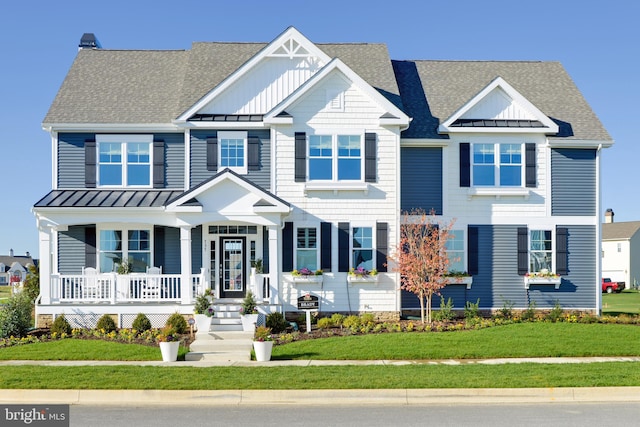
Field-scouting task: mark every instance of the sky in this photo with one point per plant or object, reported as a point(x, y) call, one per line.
point(596, 42)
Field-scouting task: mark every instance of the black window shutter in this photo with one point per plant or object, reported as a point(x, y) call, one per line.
point(465, 164)
point(382, 246)
point(212, 154)
point(473, 248)
point(370, 157)
point(287, 247)
point(523, 251)
point(158, 163)
point(530, 164)
point(325, 246)
point(301, 157)
point(90, 246)
point(158, 246)
point(343, 246)
point(253, 153)
point(90, 163)
point(562, 251)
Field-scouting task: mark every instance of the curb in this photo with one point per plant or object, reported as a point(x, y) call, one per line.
point(320, 397)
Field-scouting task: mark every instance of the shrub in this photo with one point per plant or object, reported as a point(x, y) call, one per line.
point(530, 313)
point(471, 310)
point(506, 311)
point(249, 305)
point(367, 319)
point(277, 322)
point(555, 315)
point(32, 283)
point(446, 311)
point(351, 322)
point(60, 326)
point(15, 316)
point(141, 323)
point(106, 323)
point(337, 319)
point(325, 323)
point(177, 322)
point(203, 306)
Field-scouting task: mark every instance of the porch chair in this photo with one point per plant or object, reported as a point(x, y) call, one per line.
point(151, 287)
point(90, 283)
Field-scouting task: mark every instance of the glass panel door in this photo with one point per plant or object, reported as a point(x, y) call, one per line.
point(232, 265)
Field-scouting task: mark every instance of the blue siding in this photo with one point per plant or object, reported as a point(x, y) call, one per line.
point(199, 172)
point(172, 254)
point(71, 159)
point(579, 288)
point(498, 284)
point(174, 159)
point(421, 178)
point(573, 182)
point(71, 250)
point(196, 249)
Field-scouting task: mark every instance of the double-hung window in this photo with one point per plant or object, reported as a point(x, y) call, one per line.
point(335, 158)
point(124, 160)
point(455, 251)
point(540, 251)
point(114, 249)
point(497, 165)
point(232, 148)
point(362, 248)
point(307, 248)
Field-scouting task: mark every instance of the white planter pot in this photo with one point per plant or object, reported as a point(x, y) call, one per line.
point(169, 351)
point(203, 323)
point(263, 350)
point(249, 322)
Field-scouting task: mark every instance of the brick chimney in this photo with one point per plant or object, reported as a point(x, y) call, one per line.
point(608, 216)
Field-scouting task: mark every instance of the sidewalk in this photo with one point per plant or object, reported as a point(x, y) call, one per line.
point(468, 396)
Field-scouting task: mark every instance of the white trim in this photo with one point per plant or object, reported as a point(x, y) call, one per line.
point(549, 125)
point(124, 140)
point(110, 127)
point(335, 64)
point(243, 135)
point(289, 34)
point(498, 192)
point(336, 186)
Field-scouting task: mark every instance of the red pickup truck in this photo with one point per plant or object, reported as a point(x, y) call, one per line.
point(609, 287)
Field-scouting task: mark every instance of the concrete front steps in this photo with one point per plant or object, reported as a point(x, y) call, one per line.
point(224, 341)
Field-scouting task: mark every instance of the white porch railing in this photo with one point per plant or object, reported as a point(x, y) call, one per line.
point(115, 288)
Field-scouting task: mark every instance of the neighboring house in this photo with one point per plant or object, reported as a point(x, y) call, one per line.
point(14, 268)
point(201, 161)
point(621, 251)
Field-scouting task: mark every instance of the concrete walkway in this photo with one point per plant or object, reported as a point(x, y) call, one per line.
point(321, 397)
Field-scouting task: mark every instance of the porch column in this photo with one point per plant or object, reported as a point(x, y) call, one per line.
point(274, 263)
point(44, 237)
point(185, 265)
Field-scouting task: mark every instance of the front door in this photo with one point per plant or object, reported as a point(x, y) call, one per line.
point(232, 267)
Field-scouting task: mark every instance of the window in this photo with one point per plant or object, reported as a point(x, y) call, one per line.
point(362, 248)
point(233, 151)
point(455, 251)
point(124, 160)
point(540, 251)
point(307, 248)
point(335, 157)
point(113, 249)
point(507, 172)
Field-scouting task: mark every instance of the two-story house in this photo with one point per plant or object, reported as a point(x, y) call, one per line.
point(175, 171)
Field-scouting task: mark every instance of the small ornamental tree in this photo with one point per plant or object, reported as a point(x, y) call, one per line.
point(421, 257)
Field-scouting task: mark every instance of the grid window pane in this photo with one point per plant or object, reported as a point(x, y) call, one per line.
point(540, 251)
point(455, 250)
point(510, 164)
point(232, 152)
point(362, 244)
point(320, 157)
point(306, 248)
point(484, 164)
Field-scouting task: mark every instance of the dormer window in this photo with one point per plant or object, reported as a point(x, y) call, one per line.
point(124, 160)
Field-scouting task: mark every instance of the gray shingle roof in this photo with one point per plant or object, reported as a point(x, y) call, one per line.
point(433, 90)
point(620, 230)
point(150, 87)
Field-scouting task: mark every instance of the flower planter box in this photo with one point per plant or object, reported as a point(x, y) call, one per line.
point(460, 280)
point(555, 281)
point(307, 280)
point(363, 280)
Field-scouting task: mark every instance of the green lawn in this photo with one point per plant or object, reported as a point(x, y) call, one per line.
point(5, 293)
point(626, 302)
